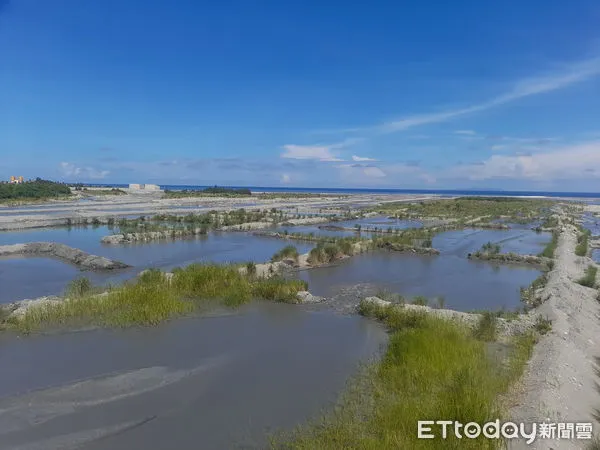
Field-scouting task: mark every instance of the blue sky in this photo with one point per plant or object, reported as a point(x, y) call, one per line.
point(463, 94)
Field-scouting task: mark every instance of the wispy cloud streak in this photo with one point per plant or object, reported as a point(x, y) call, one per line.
point(575, 73)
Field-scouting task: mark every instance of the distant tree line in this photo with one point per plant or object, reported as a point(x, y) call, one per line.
point(209, 191)
point(224, 190)
point(35, 189)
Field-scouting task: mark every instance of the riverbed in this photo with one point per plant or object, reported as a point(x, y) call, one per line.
point(464, 285)
point(224, 381)
point(33, 277)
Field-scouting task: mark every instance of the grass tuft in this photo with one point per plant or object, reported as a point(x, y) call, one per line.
point(79, 287)
point(152, 298)
point(287, 252)
point(420, 300)
point(589, 278)
point(550, 248)
point(543, 325)
point(432, 368)
point(486, 329)
point(582, 243)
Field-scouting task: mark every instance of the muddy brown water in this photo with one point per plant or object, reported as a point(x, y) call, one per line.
point(226, 381)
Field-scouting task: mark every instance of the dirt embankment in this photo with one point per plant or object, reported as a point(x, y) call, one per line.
point(559, 384)
point(63, 252)
point(512, 258)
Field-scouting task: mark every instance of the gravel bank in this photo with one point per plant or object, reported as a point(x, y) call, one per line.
point(63, 252)
point(559, 384)
point(103, 207)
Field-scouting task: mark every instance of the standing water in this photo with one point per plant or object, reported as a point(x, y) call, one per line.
point(34, 277)
point(208, 383)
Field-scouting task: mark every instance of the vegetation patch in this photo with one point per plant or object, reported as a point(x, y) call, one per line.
point(516, 210)
point(287, 252)
point(153, 297)
point(214, 191)
point(112, 191)
point(79, 287)
point(190, 223)
point(486, 329)
point(529, 294)
point(543, 325)
point(37, 189)
point(432, 368)
point(589, 277)
point(550, 248)
point(420, 300)
point(582, 243)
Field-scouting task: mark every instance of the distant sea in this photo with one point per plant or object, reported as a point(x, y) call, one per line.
point(442, 192)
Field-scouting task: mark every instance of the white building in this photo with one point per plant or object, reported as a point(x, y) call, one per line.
point(144, 187)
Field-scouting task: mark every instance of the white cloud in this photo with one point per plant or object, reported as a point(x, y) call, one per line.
point(567, 163)
point(319, 152)
point(360, 158)
point(285, 178)
point(498, 147)
point(574, 73)
point(466, 132)
point(71, 170)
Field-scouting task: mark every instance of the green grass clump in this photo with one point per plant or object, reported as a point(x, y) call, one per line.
point(528, 294)
point(143, 302)
point(486, 329)
point(582, 243)
point(153, 297)
point(543, 325)
point(589, 279)
point(78, 288)
point(324, 253)
point(213, 282)
point(420, 300)
point(432, 368)
point(278, 289)
point(251, 268)
point(287, 252)
point(490, 249)
point(550, 248)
